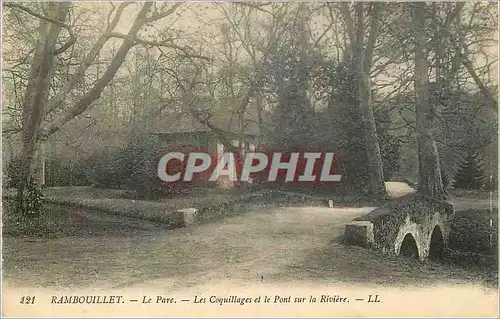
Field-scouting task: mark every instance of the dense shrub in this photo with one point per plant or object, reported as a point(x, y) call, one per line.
point(341, 123)
point(59, 172)
point(34, 200)
point(13, 171)
point(105, 171)
point(134, 167)
point(471, 232)
point(138, 164)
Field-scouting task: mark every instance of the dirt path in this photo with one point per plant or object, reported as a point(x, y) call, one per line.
point(268, 246)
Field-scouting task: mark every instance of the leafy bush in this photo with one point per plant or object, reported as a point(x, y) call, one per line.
point(33, 197)
point(342, 125)
point(133, 167)
point(13, 172)
point(34, 200)
point(104, 170)
point(471, 232)
point(473, 242)
point(138, 163)
point(59, 172)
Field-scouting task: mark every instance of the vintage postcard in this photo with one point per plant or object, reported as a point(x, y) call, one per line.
point(249, 159)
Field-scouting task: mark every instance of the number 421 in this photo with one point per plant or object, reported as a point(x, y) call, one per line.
point(27, 300)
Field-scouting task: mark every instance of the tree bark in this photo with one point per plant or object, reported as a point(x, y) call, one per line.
point(36, 94)
point(362, 63)
point(429, 182)
point(36, 102)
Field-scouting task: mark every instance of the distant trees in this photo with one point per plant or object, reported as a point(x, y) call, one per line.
point(289, 75)
point(381, 84)
point(470, 173)
point(67, 101)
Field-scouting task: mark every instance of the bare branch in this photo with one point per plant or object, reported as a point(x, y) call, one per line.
point(259, 7)
point(37, 15)
point(94, 93)
point(58, 99)
point(110, 13)
point(11, 131)
point(68, 44)
point(137, 40)
point(72, 38)
point(461, 50)
point(158, 16)
point(344, 9)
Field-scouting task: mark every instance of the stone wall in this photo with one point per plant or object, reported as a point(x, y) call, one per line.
point(414, 214)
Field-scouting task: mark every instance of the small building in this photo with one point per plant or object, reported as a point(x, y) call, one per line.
point(204, 140)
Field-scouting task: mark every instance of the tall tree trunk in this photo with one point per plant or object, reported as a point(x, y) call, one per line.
point(362, 62)
point(429, 181)
point(35, 100)
point(36, 94)
point(260, 122)
point(39, 165)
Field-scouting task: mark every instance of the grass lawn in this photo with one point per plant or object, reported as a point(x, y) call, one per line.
point(116, 202)
point(473, 242)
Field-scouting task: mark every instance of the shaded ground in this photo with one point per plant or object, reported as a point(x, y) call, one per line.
point(62, 221)
point(120, 202)
point(473, 200)
point(272, 245)
point(473, 240)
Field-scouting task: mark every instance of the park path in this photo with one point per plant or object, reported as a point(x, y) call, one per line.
point(266, 251)
point(270, 245)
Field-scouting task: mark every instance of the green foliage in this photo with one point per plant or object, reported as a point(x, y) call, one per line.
point(289, 73)
point(138, 164)
point(343, 126)
point(60, 172)
point(134, 167)
point(339, 127)
point(389, 144)
point(13, 173)
point(343, 123)
point(34, 200)
point(470, 174)
point(471, 230)
point(104, 170)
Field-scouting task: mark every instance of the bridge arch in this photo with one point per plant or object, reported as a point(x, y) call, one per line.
point(409, 247)
point(414, 220)
point(436, 243)
point(415, 238)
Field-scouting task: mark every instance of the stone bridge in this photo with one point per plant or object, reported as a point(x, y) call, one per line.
point(412, 225)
